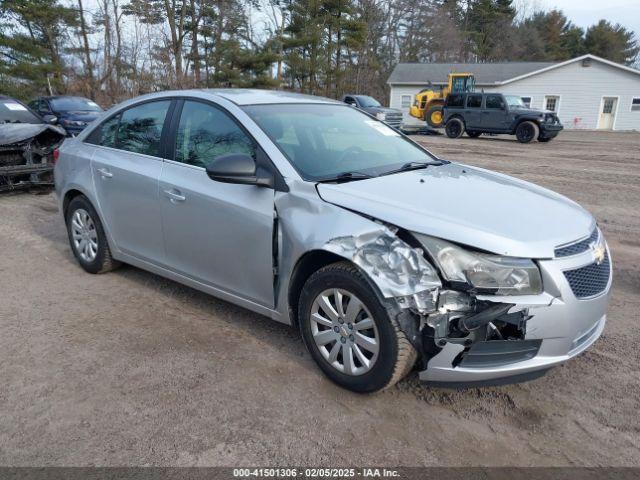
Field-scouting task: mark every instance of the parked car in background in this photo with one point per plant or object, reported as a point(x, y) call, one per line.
point(478, 113)
point(72, 113)
point(312, 213)
point(26, 146)
point(390, 116)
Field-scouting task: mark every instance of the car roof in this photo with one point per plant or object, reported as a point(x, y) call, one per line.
point(247, 96)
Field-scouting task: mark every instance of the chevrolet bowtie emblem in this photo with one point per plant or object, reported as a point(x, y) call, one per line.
point(599, 253)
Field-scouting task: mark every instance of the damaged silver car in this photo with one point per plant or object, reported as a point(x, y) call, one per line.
point(321, 216)
point(27, 143)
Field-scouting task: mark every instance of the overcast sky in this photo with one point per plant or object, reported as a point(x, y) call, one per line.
point(587, 12)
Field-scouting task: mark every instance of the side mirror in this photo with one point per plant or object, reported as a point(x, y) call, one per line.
point(239, 168)
point(51, 119)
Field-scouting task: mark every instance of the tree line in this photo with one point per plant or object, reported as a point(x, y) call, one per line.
point(110, 50)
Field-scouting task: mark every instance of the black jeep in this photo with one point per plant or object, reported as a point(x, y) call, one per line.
point(478, 113)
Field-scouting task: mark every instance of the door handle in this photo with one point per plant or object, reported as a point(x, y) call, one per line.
point(175, 196)
point(105, 173)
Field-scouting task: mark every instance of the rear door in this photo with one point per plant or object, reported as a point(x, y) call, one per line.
point(126, 169)
point(494, 114)
point(219, 234)
point(473, 111)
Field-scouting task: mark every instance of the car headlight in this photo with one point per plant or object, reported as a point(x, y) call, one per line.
point(484, 272)
point(380, 116)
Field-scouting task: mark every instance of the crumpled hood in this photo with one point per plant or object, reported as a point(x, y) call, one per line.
point(18, 132)
point(468, 205)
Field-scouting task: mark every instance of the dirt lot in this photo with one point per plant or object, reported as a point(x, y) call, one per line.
point(131, 369)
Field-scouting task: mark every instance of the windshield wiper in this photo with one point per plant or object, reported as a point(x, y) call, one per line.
point(346, 177)
point(411, 166)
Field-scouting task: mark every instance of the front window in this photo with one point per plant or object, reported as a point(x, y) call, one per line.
point(205, 133)
point(495, 102)
point(325, 141)
point(74, 104)
point(515, 101)
point(366, 101)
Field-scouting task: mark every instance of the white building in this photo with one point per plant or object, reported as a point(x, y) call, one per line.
point(587, 92)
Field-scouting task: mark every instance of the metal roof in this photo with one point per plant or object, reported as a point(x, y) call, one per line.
point(485, 73)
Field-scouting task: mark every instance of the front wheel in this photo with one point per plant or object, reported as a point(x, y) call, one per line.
point(349, 332)
point(454, 128)
point(527, 131)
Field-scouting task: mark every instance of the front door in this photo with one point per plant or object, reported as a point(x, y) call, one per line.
point(494, 114)
point(607, 113)
point(219, 234)
point(126, 176)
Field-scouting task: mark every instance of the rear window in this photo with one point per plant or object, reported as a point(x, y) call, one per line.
point(455, 100)
point(11, 111)
point(474, 101)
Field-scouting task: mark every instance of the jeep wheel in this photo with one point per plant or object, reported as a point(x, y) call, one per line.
point(454, 128)
point(527, 131)
point(473, 133)
point(434, 116)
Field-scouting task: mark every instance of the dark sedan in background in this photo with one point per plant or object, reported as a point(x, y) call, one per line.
point(72, 113)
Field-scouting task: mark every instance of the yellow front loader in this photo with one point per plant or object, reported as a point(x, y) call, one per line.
point(428, 103)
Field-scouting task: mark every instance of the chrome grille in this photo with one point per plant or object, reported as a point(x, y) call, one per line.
point(393, 118)
point(578, 247)
point(589, 280)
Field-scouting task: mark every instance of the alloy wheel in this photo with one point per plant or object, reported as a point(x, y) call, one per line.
point(344, 331)
point(84, 235)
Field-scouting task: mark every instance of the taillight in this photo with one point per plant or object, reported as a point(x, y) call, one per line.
point(56, 154)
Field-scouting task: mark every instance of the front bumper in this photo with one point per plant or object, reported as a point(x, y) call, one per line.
point(562, 326)
point(550, 130)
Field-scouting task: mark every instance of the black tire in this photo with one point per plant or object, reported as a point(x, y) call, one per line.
point(454, 128)
point(527, 132)
point(432, 122)
point(396, 356)
point(544, 139)
point(103, 260)
point(473, 134)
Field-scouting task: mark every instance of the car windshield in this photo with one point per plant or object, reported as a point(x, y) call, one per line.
point(324, 141)
point(13, 112)
point(66, 104)
point(515, 101)
point(366, 101)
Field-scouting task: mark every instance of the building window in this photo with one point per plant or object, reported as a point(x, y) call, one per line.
point(527, 101)
point(551, 103)
point(405, 101)
point(635, 104)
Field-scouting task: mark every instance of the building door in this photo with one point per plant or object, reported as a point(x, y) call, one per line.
point(607, 113)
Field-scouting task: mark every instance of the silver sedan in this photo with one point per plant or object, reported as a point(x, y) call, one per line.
point(315, 214)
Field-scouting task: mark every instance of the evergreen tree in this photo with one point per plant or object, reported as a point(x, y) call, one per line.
point(613, 42)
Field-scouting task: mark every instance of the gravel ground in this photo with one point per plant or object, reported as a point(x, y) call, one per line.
point(130, 369)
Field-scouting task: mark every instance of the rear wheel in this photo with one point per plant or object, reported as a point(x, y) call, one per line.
point(87, 238)
point(527, 131)
point(349, 332)
point(473, 133)
point(434, 116)
point(454, 128)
